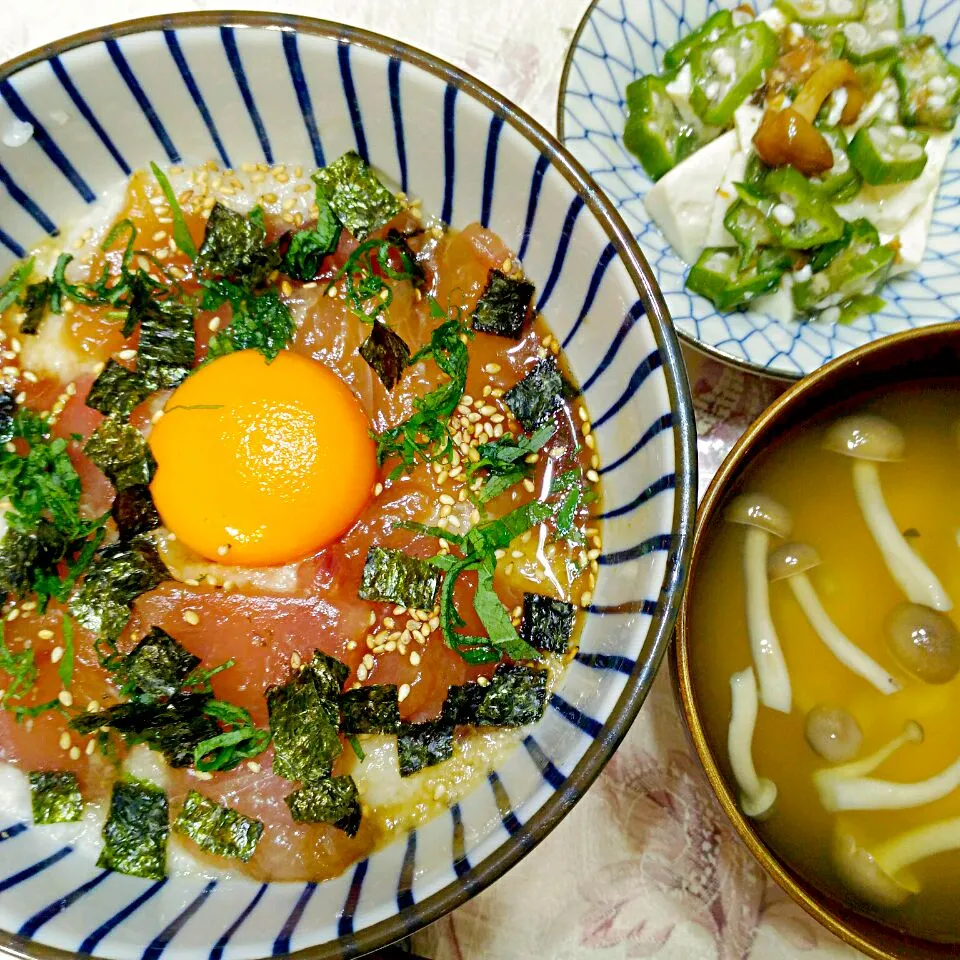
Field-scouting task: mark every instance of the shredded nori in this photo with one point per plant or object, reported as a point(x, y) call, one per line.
point(328, 676)
point(422, 745)
point(36, 300)
point(8, 409)
point(503, 306)
point(218, 829)
point(371, 709)
point(463, 703)
point(55, 797)
point(235, 246)
point(19, 550)
point(515, 696)
point(393, 576)
point(136, 831)
point(547, 623)
point(355, 194)
point(157, 666)
point(117, 391)
point(167, 348)
point(331, 800)
point(535, 398)
point(134, 512)
point(387, 353)
point(118, 575)
point(120, 450)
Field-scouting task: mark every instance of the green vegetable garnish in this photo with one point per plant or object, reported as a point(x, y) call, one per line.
point(655, 133)
point(535, 398)
point(218, 829)
point(371, 709)
point(749, 227)
point(392, 576)
point(820, 12)
point(422, 745)
point(120, 450)
point(888, 154)
point(547, 623)
point(356, 196)
point(718, 276)
point(503, 306)
point(331, 800)
point(181, 233)
point(136, 831)
point(309, 247)
point(929, 85)
point(709, 31)
point(55, 797)
point(65, 667)
point(260, 322)
point(387, 354)
point(15, 283)
point(504, 461)
point(238, 741)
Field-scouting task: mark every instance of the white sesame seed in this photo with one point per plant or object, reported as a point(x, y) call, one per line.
point(74, 753)
point(64, 740)
point(45, 634)
point(362, 673)
point(65, 697)
point(295, 660)
point(403, 692)
point(91, 746)
point(191, 617)
point(56, 655)
point(414, 658)
point(253, 766)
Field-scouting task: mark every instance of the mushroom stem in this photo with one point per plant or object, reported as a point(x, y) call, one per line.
point(844, 649)
point(915, 845)
point(772, 674)
point(914, 577)
point(757, 794)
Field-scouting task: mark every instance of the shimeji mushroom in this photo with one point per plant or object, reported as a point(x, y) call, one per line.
point(757, 795)
point(873, 874)
point(791, 563)
point(763, 517)
point(924, 642)
point(850, 788)
point(868, 440)
point(833, 733)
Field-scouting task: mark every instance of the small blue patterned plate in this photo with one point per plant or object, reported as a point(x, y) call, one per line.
point(235, 88)
point(620, 40)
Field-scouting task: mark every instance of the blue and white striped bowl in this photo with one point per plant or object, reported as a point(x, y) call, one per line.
point(245, 87)
point(620, 40)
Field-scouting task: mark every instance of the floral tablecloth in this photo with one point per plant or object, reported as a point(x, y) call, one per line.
point(645, 865)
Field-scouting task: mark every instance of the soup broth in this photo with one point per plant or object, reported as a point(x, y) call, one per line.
point(857, 591)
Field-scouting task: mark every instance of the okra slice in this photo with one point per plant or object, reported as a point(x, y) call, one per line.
point(929, 85)
point(708, 32)
point(877, 34)
point(821, 11)
point(718, 276)
point(655, 132)
point(885, 154)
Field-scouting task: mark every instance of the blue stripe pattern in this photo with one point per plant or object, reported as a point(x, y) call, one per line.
point(405, 897)
point(31, 926)
point(539, 172)
point(606, 661)
point(667, 482)
point(490, 169)
point(507, 817)
point(218, 948)
point(353, 105)
point(27, 873)
point(173, 45)
point(461, 863)
point(70, 88)
point(449, 150)
point(12, 245)
point(560, 255)
point(291, 51)
point(162, 940)
point(652, 362)
point(574, 715)
point(633, 314)
point(543, 763)
point(26, 203)
point(609, 253)
point(228, 36)
point(664, 422)
point(14, 830)
point(393, 81)
point(345, 924)
point(646, 607)
point(282, 943)
point(143, 101)
point(662, 541)
point(46, 143)
point(90, 942)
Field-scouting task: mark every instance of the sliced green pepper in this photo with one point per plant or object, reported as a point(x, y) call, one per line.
point(655, 132)
point(709, 31)
point(728, 70)
point(841, 182)
point(821, 11)
point(877, 35)
point(929, 85)
point(719, 277)
point(797, 213)
point(856, 265)
point(749, 227)
point(888, 154)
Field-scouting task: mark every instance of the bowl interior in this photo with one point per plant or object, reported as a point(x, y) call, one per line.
point(246, 88)
point(916, 356)
point(621, 40)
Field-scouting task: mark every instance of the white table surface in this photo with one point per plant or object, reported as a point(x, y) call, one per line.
point(645, 865)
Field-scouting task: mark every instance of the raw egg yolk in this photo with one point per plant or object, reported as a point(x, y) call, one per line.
point(261, 463)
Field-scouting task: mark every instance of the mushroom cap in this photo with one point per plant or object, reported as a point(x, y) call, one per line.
point(859, 871)
point(833, 733)
point(759, 510)
point(865, 437)
point(791, 559)
point(924, 641)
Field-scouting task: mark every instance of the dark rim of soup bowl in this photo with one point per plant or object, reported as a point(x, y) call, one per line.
point(481, 875)
point(919, 354)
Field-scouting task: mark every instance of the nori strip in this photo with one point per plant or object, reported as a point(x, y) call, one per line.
point(36, 299)
point(328, 675)
point(356, 195)
point(157, 666)
point(8, 409)
point(393, 576)
point(463, 703)
point(422, 745)
point(133, 512)
point(117, 576)
point(117, 391)
point(304, 729)
point(503, 306)
point(174, 728)
point(534, 399)
point(235, 246)
point(515, 696)
point(167, 348)
point(330, 800)
point(547, 623)
point(387, 353)
point(18, 556)
point(135, 834)
point(120, 450)
point(373, 709)
point(55, 797)
point(218, 829)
